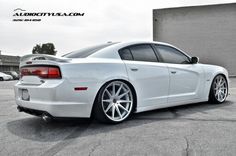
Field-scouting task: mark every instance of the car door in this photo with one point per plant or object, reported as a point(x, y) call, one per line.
point(149, 77)
point(186, 79)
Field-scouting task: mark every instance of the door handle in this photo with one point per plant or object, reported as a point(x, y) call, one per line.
point(173, 72)
point(134, 69)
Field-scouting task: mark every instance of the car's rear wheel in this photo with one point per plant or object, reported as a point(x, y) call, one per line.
point(219, 89)
point(1, 79)
point(114, 102)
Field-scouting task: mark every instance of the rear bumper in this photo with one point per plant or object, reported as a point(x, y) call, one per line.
point(56, 109)
point(57, 97)
point(31, 111)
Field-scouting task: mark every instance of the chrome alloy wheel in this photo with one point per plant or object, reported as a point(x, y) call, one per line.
point(117, 101)
point(220, 88)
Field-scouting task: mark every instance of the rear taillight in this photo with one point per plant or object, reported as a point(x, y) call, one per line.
point(42, 71)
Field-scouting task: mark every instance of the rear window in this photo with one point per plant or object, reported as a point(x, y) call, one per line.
point(85, 52)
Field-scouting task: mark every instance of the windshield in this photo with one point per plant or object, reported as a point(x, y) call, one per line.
point(85, 52)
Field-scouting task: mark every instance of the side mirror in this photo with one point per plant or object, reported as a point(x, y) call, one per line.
point(194, 60)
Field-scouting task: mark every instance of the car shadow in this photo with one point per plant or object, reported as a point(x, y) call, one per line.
point(34, 128)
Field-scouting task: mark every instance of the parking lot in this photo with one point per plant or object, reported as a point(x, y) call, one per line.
point(193, 130)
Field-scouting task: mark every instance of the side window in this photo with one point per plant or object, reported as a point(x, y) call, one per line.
point(143, 52)
point(172, 55)
point(125, 54)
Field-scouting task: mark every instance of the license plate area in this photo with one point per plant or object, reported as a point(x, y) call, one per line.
point(25, 95)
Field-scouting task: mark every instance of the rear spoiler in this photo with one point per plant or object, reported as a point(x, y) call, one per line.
point(32, 57)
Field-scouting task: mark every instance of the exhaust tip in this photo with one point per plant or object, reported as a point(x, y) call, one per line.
point(19, 109)
point(46, 117)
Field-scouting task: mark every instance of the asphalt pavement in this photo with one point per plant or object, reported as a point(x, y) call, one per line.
point(200, 129)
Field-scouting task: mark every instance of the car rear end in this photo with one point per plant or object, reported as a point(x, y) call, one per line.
point(45, 88)
point(14, 75)
point(9, 77)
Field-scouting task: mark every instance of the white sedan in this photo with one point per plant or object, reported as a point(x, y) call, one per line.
point(5, 77)
point(113, 80)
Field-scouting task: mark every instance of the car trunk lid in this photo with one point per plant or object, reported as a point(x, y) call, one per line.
point(35, 69)
point(42, 58)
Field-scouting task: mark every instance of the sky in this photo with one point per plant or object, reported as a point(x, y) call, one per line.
point(103, 21)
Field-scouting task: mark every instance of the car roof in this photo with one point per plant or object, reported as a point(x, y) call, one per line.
point(108, 52)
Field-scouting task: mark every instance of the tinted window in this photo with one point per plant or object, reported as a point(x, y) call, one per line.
point(85, 52)
point(143, 53)
point(172, 55)
point(125, 54)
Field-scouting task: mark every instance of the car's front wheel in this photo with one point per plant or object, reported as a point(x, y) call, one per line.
point(219, 89)
point(114, 102)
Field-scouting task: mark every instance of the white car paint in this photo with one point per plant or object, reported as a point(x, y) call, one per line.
point(154, 83)
point(5, 77)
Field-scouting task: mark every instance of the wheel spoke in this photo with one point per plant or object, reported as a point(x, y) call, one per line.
point(215, 83)
point(118, 111)
point(113, 89)
point(218, 96)
point(222, 94)
point(109, 94)
point(222, 84)
point(107, 100)
point(124, 101)
point(113, 111)
point(120, 96)
point(220, 81)
point(122, 107)
point(118, 91)
point(108, 107)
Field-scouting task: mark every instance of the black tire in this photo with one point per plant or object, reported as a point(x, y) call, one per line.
point(213, 96)
point(1, 79)
point(98, 110)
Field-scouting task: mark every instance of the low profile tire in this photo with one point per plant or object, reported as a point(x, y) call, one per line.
point(114, 102)
point(1, 79)
point(219, 89)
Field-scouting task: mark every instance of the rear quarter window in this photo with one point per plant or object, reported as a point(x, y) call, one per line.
point(125, 54)
point(142, 52)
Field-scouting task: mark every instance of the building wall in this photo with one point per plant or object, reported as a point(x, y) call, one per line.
point(208, 32)
point(9, 63)
point(9, 68)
